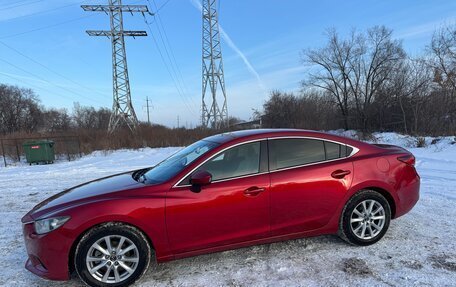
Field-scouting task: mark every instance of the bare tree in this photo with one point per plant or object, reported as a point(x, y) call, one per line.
point(379, 56)
point(334, 69)
point(353, 70)
point(410, 87)
point(19, 110)
point(309, 110)
point(90, 118)
point(280, 110)
point(443, 60)
point(54, 120)
point(443, 53)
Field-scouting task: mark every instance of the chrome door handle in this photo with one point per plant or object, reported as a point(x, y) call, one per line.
point(253, 191)
point(339, 174)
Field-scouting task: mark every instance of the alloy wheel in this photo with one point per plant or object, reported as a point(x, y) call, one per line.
point(112, 259)
point(367, 219)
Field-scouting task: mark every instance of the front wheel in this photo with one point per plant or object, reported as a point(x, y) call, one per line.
point(365, 219)
point(112, 255)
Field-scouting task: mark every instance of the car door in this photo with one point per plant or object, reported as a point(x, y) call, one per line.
point(309, 178)
point(233, 208)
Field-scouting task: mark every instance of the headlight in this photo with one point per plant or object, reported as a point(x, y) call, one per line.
point(49, 224)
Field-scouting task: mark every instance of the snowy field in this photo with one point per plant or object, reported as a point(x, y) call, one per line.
point(418, 250)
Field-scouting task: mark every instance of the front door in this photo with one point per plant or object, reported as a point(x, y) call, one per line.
point(233, 208)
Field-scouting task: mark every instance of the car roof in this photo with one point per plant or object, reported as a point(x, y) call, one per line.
point(253, 134)
point(229, 136)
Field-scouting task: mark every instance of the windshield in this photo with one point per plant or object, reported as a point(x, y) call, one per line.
point(177, 162)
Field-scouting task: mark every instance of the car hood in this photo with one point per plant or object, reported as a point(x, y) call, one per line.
point(91, 191)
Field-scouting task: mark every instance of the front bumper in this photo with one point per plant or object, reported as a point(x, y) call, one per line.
point(48, 253)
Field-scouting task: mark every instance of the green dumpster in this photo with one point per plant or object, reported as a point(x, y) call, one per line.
point(39, 151)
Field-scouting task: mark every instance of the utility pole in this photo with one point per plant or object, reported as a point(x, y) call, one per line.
point(214, 93)
point(178, 121)
point(147, 107)
point(122, 109)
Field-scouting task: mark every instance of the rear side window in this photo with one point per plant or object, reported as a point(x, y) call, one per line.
point(285, 153)
point(349, 150)
point(335, 151)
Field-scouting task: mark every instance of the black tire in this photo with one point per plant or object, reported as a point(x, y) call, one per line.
point(112, 229)
point(347, 228)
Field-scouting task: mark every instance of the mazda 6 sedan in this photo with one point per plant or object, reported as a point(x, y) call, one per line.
point(223, 192)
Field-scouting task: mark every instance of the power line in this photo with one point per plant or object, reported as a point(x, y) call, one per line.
point(20, 5)
point(171, 71)
point(167, 67)
point(51, 70)
point(181, 78)
point(35, 86)
point(161, 7)
point(20, 1)
point(17, 2)
point(45, 27)
point(174, 67)
point(44, 80)
point(45, 11)
point(51, 25)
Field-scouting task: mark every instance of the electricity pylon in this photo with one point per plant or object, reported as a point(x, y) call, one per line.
point(122, 109)
point(213, 115)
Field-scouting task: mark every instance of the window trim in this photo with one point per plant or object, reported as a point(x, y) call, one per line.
point(354, 151)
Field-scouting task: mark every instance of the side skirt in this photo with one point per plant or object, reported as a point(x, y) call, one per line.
point(312, 233)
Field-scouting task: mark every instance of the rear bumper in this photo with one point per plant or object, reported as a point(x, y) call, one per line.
point(47, 254)
point(408, 193)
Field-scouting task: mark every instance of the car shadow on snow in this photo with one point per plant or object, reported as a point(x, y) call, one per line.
point(239, 267)
point(255, 265)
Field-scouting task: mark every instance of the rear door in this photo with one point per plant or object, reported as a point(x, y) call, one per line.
point(309, 178)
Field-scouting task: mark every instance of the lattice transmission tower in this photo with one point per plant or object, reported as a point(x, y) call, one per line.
point(214, 105)
point(122, 110)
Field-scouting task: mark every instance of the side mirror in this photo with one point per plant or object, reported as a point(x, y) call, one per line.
point(199, 179)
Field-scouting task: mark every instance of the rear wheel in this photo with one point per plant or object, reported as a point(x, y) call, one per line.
point(365, 219)
point(112, 255)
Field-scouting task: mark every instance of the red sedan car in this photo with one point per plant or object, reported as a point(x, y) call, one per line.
point(226, 191)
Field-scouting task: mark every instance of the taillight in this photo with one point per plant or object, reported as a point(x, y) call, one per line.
point(407, 159)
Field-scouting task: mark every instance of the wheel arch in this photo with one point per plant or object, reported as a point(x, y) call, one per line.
point(71, 266)
point(386, 194)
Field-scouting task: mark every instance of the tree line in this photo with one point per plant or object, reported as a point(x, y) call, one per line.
point(23, 116)
point(366, 81)
point(21, 111)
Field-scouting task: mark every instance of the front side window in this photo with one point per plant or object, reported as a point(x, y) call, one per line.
point(177, 162)
point(284, 153)
point(235, 162)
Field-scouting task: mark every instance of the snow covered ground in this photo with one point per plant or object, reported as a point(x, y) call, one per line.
point(418, 250)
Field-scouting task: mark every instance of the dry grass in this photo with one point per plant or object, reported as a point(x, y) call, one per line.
point(86, 141)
